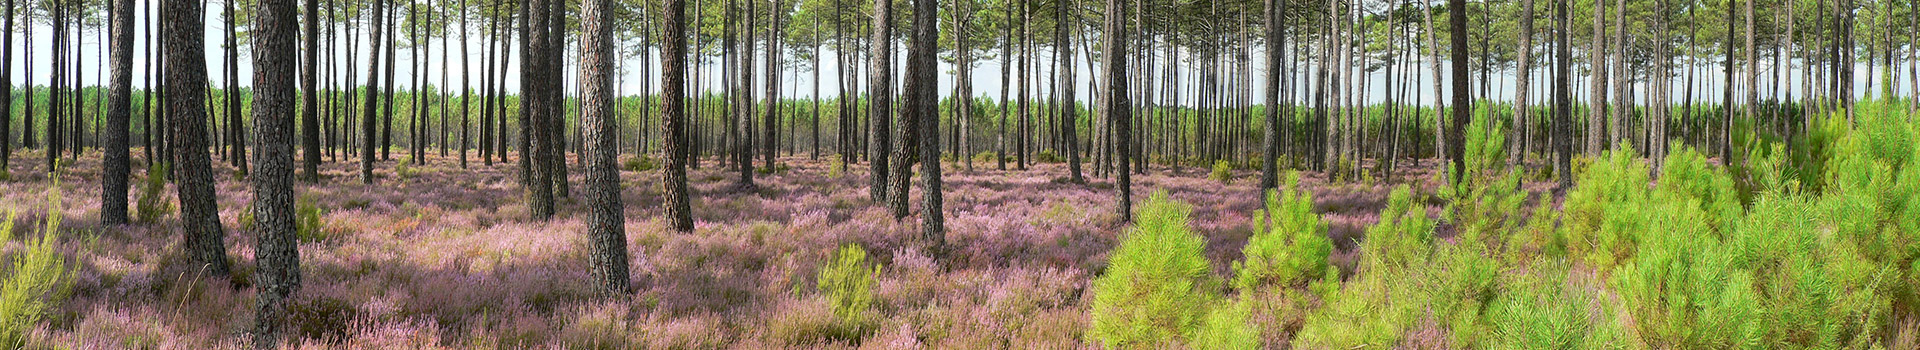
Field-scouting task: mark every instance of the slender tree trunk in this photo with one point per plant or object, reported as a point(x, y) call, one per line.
point(367, 115)
point(310, 93)
point(1597, 99)
point(880, 110)
point(6, 88)
point(923, 104)
point(1523, 81)
point(1119, 110)
point(1622, 76)
point(236, 131)
point(1462, 102)
point(113, 192)
point(673, 98)
point(1270, 169)
point(1069, 114)
point(1562, 99)
point(1726, 103)
point(772, 118)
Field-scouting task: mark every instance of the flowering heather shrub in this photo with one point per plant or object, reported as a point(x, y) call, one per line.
point(1158, 285)
point(1289, 244)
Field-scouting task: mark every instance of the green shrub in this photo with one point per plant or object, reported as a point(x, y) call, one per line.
point(1222, 172)
point(308, 218)
point(1047, 156)
point(1603, 213)
point(1543, 311)
point(1289, 245)
point(36, 282)
point(154, 202)
point(404, 169)
point(986, 157)
point(1227, 327)
point(1403, 236)
point(836, 168)
point(1158, 284)
point(641, 162)
point(847, 282)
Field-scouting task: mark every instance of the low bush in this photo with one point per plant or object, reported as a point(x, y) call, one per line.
point(1158, 284)
point(36, 282)
point(1222, 172)
point(847, 283)
point(404, 169)
point(1289, 245)
point(154, 202)
point(641, 162)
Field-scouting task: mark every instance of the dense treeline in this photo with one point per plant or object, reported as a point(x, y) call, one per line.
point(1168, 83)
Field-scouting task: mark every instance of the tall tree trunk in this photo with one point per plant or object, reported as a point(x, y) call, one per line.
point(772, 118)
point(673, 98)
point(1622, 76)
point(922, 103)
point(1119, 109)
point(370, 110)
point(6, 87)
point(1726, 103)
point(466, 88)
point(310, 94)
point(1523, 81)
point(1462, 102)
point(605, 218)
point(114, 166)
point(880, 100)
point(1270, 169)
point(236, 131)
point(534, 101)
point(1069, 114)
point(205, 240)
point(1562, 99)
point(1597, 99)
point(276, 32)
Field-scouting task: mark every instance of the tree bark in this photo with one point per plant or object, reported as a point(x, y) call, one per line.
point(1597, 98)
point(309, 86)
point(1069, 113)
point(606, 227)
point(880, 91)
point(673, 98)
point(923, 105)
point(371, 109)
point(1462, 102)
point(276, 32)
point(1119, 110)
point(187, 80)
point(115, 164)
point(1562, 99)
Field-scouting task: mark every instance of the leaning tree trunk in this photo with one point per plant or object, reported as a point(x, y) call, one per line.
point(276, 32)
point(205, 240)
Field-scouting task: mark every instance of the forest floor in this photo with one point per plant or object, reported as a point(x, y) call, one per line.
point(446, 257)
